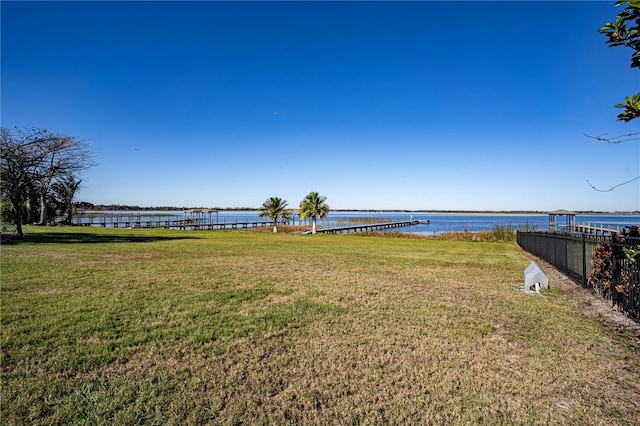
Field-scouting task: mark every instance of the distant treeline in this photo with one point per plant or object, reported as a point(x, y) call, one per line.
point(119, 207)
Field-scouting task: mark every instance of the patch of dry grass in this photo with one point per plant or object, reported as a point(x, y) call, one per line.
point(227, 327)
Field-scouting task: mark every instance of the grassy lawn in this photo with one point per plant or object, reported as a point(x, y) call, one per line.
point(122, 326)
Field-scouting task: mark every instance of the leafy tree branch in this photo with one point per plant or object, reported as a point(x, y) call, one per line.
point(625, 31)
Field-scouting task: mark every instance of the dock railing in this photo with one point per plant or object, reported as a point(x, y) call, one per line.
point(594, 229)
point(366, 227)
point(169, 221)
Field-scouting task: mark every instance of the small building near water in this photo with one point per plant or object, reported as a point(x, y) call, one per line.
point(569, 221)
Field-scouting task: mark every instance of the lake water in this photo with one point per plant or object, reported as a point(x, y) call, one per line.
point(475, 222)
point(438, 222)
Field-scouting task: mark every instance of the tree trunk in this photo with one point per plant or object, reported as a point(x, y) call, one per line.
point(18, 216)
point(19, 225)
point(313, 225)
point(70, 213)
point(45, 189)
point(43, 209)
point(30, 210)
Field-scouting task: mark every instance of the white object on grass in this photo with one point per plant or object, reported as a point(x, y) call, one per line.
point(535, 278)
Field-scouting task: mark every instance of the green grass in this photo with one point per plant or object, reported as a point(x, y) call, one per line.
point(103, 326)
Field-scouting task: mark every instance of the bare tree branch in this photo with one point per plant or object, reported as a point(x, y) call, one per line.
point(31, 160)
point(616, 139)
point(613, 187)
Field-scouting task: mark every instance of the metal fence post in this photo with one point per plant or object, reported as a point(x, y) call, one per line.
point(584, 260)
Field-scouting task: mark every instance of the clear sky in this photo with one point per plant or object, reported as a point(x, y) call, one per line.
point(376, 105)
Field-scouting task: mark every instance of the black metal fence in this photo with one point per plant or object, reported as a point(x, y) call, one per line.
point(596, 261)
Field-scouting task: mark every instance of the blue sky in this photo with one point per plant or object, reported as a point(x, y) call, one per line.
point(376, 105)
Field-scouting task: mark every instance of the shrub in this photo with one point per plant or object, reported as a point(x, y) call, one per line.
point(602, 272)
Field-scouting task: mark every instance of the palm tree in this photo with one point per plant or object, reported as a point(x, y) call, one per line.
point(314, 206)
point(66, 188)
point(286, 216)
point(274, 207)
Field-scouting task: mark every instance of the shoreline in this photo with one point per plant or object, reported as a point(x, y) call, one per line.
point(124, 208)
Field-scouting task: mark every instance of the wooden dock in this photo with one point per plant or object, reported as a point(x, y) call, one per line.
point(163, 221)
point(594, 229)
point(367, 227)
point(206, 222)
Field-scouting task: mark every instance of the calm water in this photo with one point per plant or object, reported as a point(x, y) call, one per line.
point(438, 222)
point(472, 222)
